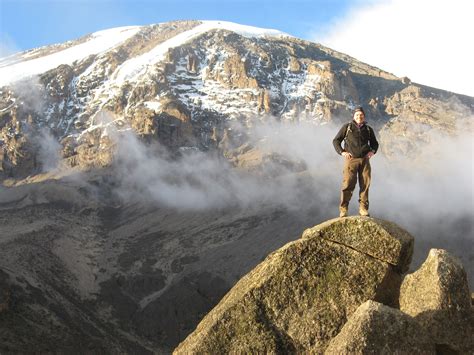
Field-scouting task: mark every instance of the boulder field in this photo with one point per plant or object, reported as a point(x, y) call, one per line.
point(341, 288)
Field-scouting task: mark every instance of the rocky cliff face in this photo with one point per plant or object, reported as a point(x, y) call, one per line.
point(186, 84)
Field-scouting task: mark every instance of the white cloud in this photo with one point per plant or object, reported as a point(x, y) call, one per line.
point(427, 40)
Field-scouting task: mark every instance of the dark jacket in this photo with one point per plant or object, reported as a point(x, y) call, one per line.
point(357, 141)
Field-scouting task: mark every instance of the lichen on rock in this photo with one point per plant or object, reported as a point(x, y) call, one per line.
point(298, 298)
point(378, 329)
point(438, 296)
point(381, 239)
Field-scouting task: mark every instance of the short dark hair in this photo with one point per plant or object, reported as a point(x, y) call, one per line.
point(358, 108)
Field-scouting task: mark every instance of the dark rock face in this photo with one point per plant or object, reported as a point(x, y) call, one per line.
point(299, 298)
point(169, 318)
point(5, 292)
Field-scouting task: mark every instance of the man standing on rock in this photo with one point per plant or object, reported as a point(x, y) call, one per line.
point(360, 145)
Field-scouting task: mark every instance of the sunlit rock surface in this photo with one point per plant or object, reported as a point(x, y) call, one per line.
point(299, 298)
point(437, 296)
point(374, 329)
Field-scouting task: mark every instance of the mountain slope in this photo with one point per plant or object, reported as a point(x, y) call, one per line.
point(87, 272)
point(187, 84)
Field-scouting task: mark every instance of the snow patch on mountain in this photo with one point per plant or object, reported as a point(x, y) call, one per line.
point(138, 66)
point(200, 92)
point(99, 42)
point(12, 70)
point(243, 30)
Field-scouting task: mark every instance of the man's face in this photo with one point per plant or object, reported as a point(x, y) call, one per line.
point(359, 117)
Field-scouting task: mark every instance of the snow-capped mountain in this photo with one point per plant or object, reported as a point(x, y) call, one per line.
point(129, 259)
point(184, 83)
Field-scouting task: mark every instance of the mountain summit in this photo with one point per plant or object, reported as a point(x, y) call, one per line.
point(186, 84)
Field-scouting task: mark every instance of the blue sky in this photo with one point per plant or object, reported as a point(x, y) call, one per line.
point(32, 23)
point(426, 40)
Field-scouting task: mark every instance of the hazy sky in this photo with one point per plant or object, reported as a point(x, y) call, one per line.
point(426, 40)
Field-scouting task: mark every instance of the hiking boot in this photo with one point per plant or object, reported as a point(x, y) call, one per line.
point(364, 212)
point(342, 212)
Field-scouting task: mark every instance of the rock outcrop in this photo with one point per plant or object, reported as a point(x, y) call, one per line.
point(437, 296)
point(299, 298)
point(380, 239)
point(377, 329)
point(440, 283)
point(416, 118)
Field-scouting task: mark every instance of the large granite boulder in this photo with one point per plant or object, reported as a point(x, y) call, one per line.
point(378, 238)
point(438, 296)
point(440, 283)
point(301, 295)
point(377, 329)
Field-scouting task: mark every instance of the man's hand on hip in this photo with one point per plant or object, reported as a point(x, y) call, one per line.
point(347, 155)
point(370, 154)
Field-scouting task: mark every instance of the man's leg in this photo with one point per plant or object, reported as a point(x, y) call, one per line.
point(349, 181)
point(364, 173)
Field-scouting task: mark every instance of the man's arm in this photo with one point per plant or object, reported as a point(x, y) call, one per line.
point(374, 145)
point(337, 141)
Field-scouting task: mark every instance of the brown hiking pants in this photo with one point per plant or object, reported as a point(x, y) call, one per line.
point(356, 168)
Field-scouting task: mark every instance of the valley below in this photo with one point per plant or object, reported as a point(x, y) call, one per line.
point(84, 270)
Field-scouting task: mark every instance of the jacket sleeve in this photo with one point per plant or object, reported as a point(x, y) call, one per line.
point(374, 145)
point(337, 141)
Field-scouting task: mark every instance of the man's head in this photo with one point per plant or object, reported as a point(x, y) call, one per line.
point(359, 115)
